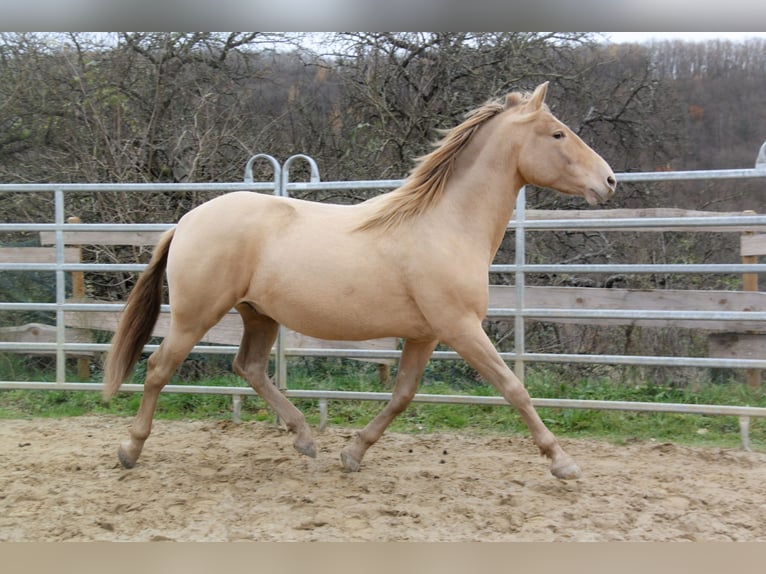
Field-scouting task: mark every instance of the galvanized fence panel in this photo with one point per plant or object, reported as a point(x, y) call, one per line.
point(520, 225)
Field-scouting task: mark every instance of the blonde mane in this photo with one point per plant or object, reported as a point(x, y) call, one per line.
point(425, 184)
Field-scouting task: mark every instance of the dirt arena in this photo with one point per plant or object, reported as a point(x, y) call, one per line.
point(220, 481)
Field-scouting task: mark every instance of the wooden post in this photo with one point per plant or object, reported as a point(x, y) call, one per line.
point(78, 294)
point(750, 283)
point(384, 375)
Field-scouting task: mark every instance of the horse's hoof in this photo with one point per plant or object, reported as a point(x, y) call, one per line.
point(308, 449)
point(125, 460)
point(350, 464)
point(566, 471)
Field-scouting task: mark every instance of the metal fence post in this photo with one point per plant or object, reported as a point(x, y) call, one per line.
point(60, 288)
point(313, 177)
point(274, 164)
point(281, 359)
point(520, 248)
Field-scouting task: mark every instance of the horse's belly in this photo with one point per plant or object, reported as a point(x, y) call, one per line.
point(346, 313)
point(335, 328)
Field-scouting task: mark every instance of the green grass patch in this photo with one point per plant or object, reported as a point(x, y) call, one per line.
point(338, 374)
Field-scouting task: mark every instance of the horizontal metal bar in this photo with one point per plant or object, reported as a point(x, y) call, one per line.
point(641, 222)
point(32, 306)
point(699, 362)
point(539, 402)
point(85, 267)
point(632, 177)
point(702, 362)
point(536, 224)
point(621, 178)
point(344, 185)
point(660, 176)
point(128, 387)
point(134, 187)
point(95, 227)
point(681, 408)
point(79, 307)
point(630, 314)
point(735, 268)
point(641, 360)
point(17, 347)
point(724, 268)
point(530, 224)
point(493, 312)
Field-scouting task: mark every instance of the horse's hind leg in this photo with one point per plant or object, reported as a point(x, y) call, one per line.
point(252, 362)
point(415, 355)
point(160, 367)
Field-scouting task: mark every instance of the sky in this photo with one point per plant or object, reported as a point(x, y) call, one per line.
point(618, 37)
point(327, 15)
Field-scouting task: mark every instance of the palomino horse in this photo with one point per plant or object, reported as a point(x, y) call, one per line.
point(412, 263)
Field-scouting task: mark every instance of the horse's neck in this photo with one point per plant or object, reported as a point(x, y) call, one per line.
point(480, 199)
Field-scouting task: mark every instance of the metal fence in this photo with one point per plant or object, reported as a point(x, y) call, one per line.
point(520, 225)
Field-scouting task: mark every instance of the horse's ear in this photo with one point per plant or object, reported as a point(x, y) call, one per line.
point(538, 96)
point(513, 99)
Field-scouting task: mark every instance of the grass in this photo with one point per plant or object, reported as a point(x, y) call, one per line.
point(337, 374)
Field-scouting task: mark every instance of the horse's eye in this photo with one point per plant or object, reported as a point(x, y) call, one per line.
point(558, 135)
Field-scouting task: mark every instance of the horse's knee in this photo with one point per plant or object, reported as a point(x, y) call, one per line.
point(516, 393)
point(400, 402)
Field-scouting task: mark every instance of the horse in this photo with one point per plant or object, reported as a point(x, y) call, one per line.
point(412, 263)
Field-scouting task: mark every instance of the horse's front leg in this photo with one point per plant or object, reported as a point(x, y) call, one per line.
point(411, 365)
point(476, 348)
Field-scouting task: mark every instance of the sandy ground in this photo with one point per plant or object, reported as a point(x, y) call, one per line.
point(220, 481)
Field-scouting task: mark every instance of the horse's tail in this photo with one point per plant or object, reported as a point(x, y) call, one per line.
point(138, 319)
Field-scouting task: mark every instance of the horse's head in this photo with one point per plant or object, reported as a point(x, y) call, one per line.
point(551, 155)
